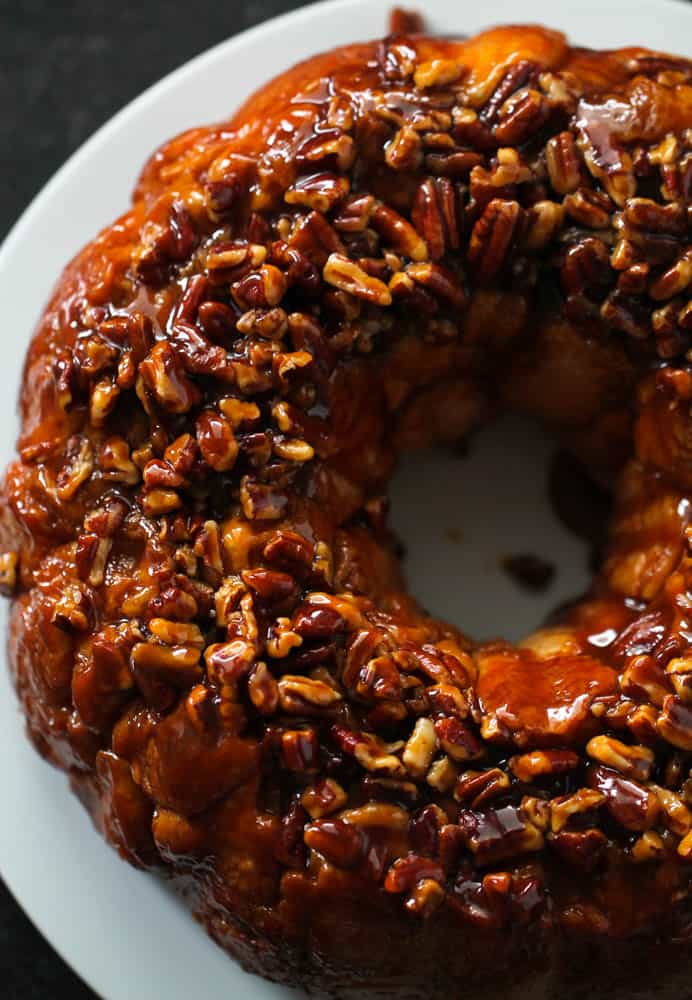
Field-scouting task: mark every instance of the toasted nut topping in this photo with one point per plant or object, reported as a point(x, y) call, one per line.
point(420, 748)
point(263, 690)
point(437, 73)
point(405, 152)
point(648, 847)
point(427, 896)
point(8, 572)
point(478, 787)
point(685, 847)
point(377, 814)
point(294, 450)
point(457, 740)
point(633, 761)
point(300, 750)
point(492, 237)
point(349, 277)
point(545, 220)
point(538, 762)
point(319, 192)
point(78, 466)
point(562, 809)
point(399, 233)
point(442, 775)
point(678, 817)
point(299, 695)
point(675, 723)
point(324, 798)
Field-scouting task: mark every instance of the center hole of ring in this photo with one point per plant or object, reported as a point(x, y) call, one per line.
point(467, 522)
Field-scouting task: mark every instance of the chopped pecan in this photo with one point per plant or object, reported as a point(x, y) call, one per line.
point(440, 282)
point(300, 749)
point(368, 750)
point(522, 116)
point(324, 798)
point(405, 151)
point(500, 833)
point(261, 501)
point(435, 215)
point(631, 805)
point(457, 740)
point(426, 897)
point(398, 233)
point(677, 817)
point(9, 562)
point(303, 696)
point(544, 221)
point(632, 761)
point(675, 723)
point(532, 765)
point(342, 844)
point(263, 690)
point(420, 748)
point(346, 275)
point(77, 468)
point(648, 847)
point(478, 787)
point(588, 208)
point(562, 809)
point(320, 192)
point(437, 73)
point(581, 848)
point(492, 238)
point(442, 775)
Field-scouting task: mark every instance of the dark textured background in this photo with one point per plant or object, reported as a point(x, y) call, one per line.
point(65, 67)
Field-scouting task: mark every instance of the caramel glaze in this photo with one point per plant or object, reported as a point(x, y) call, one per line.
point(210, 632)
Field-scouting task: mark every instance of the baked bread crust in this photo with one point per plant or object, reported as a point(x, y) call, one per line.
point(210, 632)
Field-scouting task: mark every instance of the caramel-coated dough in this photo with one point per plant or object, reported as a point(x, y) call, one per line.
point(210, 632)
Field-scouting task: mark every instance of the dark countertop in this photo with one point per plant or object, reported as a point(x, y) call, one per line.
point(65, 67)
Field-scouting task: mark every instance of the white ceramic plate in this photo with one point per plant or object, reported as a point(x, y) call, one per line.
point(121, 931)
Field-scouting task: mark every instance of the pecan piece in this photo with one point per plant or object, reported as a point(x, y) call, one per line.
point(9, 562)
point(343, 844)
point(631, 805)
point(320, 192)
point(632, 761)
point(437, 73)
point(303, 696)
point(500, 833)
point(435, 215)
point(562, 160)
point(164, 377)
point(532, 765)
point(675, 723)
point(492, 237)
point(405, 22)
point(398, 233)
point(478, 787)
point(346, 275)
point(420, 748)
point(324, 798)
point(405, 151)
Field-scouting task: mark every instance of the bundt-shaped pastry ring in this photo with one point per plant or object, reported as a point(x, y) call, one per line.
point(210, 632)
